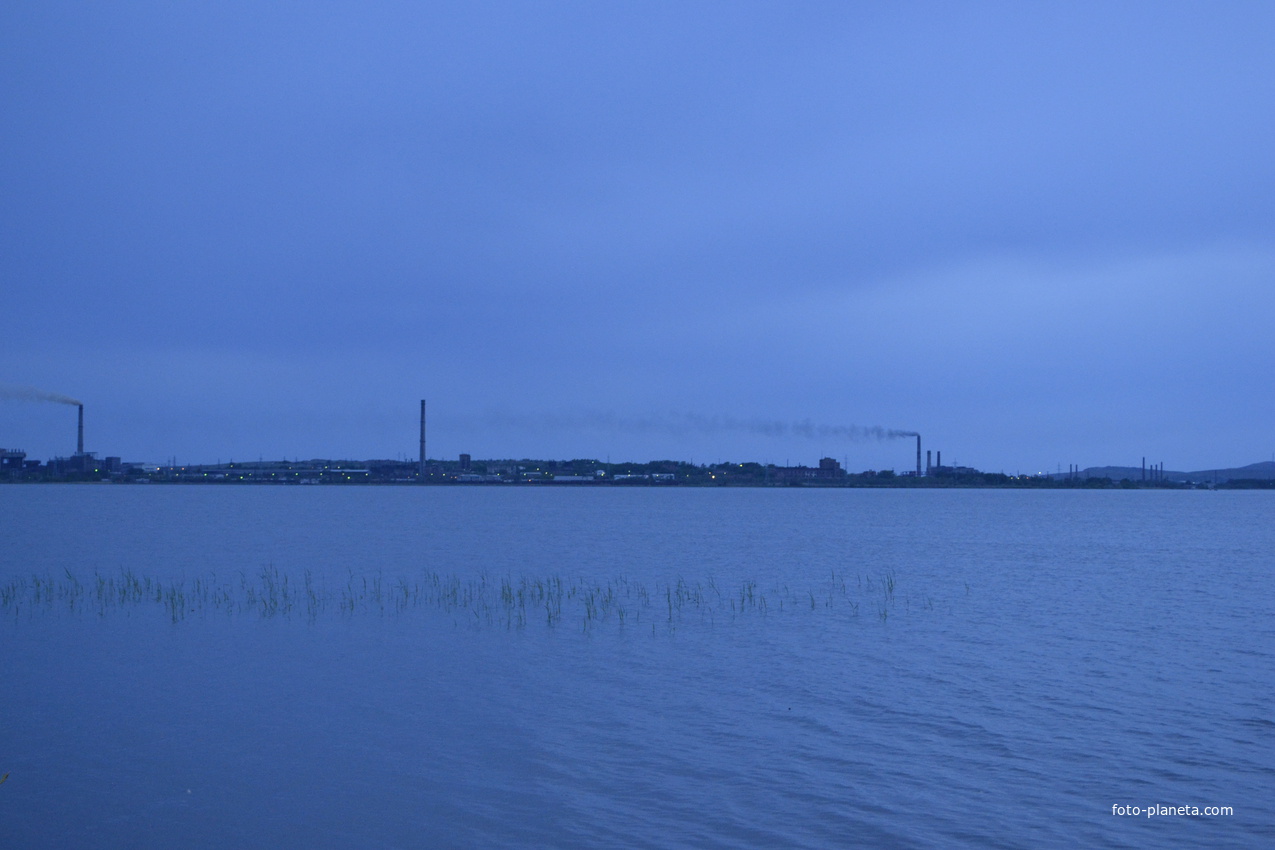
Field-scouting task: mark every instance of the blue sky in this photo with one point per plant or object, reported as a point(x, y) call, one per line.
point(1038, 234)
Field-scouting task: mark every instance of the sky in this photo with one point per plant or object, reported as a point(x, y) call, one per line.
point(1038, 234)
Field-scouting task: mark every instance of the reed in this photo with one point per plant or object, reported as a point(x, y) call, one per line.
point(479, 600)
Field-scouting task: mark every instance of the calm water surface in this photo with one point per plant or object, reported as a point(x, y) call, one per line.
point(793, 668)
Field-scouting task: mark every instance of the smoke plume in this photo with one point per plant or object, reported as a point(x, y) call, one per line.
point(683, 424)
point(11, 393)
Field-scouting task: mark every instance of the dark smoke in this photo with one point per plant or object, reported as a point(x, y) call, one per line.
point(682, 424)
point(32, 394)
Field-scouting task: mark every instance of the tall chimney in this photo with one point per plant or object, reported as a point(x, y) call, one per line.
point(918, 455)
point(79, 440)
point(938, 459)
point(927, 461)
point(1144, 469)
point(421, 469)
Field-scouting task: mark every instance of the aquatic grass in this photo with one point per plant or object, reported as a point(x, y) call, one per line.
point(511, 601)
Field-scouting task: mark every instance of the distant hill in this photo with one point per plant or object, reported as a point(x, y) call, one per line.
point(1264, 471)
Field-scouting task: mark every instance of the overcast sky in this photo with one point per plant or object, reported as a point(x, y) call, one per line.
point(1039, 234)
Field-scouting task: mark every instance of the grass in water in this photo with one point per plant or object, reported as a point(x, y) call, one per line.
point(513, 602)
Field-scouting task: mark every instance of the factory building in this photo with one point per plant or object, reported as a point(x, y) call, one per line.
point(829, 469)
point(12, 460)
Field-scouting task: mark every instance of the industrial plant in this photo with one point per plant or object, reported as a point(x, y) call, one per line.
point(929, 472)
point(81, 465)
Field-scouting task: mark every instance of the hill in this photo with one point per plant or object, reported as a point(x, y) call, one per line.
point(1263, 471)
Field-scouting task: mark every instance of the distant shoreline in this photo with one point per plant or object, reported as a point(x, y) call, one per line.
point(1039, 483)
point(590, 473)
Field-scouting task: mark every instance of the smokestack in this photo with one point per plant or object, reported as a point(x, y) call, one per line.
point(927, 461)
point(938, 459)
point(1144, 469)
point(918, 455)
point(79, 440)
point(421, 470)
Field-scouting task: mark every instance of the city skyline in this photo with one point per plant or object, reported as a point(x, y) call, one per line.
point(797, 435)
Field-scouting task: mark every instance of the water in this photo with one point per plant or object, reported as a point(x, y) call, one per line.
point(929, 669)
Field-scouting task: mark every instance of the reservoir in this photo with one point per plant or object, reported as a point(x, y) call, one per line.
point(495, 667)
